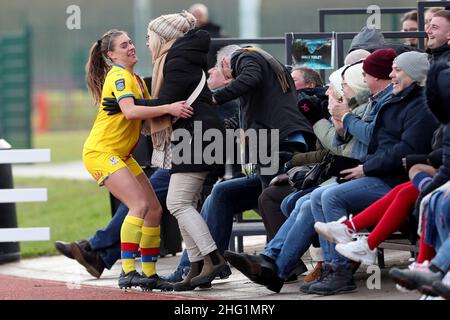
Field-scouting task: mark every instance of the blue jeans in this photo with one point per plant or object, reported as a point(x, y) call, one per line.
point(288, 204)
point(226, 199)
point(293, 238)
point(106, 241)
point(331, 202)
point(442, 227)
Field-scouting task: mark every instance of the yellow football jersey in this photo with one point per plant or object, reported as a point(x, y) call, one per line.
point(115, 134)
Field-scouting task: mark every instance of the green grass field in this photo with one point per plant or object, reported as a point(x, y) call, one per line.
point(74, 210)
point(65, 145)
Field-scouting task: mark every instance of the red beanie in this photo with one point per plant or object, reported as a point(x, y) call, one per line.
point(379, 63)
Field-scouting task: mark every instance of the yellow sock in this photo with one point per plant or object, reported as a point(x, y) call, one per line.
point(150, 242)
point(130, 235)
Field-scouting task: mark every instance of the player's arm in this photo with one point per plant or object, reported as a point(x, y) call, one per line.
point(135, 112)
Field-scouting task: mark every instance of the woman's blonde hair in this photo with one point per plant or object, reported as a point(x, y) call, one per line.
point(99, 63)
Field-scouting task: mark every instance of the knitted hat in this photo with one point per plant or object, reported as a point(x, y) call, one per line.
point(379, 63)
point(353, 76)
point(336, 81)
point(172, 26)
point(367, 37)
point(355, 56)
point(415, 64)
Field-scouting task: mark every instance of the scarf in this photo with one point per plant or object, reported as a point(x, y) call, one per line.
point(159, 128)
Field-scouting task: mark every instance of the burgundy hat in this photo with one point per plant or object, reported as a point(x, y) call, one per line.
point(379, 63)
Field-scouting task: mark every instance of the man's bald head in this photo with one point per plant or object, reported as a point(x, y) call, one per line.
point(200, 12)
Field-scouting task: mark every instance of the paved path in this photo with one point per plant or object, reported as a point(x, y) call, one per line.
point(68, 279)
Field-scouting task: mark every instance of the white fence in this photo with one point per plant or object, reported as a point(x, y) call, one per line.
point(24, 195)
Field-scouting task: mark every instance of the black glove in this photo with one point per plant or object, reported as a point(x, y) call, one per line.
point(311, 108)
point(435, 158)
point(112, 106)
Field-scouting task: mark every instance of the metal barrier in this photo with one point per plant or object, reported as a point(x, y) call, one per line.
point(10, 235)
point(353, 11)
point(421, 5)
point(341, 36)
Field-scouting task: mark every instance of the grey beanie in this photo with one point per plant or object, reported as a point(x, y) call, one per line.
point(415, 64)
point(366, 38)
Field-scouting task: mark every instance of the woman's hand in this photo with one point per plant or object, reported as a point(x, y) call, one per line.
point(180, 110)
point(354, 173)
point(337, 108)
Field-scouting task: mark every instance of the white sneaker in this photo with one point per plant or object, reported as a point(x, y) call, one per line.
point(335, 231)
point(358, 251)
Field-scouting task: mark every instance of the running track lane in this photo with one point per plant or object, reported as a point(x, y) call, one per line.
point(15, 288)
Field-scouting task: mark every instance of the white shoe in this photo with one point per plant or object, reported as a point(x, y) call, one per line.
point(335, 231)
point(358, 251)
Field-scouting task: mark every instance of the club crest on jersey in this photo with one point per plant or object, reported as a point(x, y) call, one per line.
point(113, 161)
point(120, 84)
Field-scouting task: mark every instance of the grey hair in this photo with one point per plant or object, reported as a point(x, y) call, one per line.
point(310, 76)
point(227, 51)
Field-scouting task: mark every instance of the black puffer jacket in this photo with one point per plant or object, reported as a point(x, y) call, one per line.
point(182, 71)
point(438, 96)
point(439, 54)
point(264, 105)
point(403, 126)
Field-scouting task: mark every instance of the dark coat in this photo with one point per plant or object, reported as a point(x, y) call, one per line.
point(403, 126)
point(185, 61)
point(441, 53)
point(263, 103)
point(215, 32)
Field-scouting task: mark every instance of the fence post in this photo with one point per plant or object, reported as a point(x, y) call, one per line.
point(9, 251)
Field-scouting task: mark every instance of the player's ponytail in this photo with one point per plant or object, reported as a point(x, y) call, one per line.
point(99, 64)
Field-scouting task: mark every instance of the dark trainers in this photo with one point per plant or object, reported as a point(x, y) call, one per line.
point(339, 280)
point(155, 282)
point(325, 270)
point(442, 289)
point(178, 275)
point(88, 259)
point(131, 279)
point(415, 279)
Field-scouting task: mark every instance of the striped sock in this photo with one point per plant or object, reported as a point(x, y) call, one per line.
point(130, 235)
point(150, 243)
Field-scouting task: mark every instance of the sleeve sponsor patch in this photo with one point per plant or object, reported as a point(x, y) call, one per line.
point(120, 84)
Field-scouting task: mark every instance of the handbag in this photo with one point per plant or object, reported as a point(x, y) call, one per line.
point(317, 174)
point(296, 176)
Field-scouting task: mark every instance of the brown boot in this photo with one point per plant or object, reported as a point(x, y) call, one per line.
point(314, 274)
point(212, 266)
point(185, 285)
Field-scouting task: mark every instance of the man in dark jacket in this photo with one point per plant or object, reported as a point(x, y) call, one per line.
point(268, 99)
point(438, 36)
